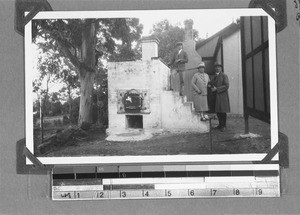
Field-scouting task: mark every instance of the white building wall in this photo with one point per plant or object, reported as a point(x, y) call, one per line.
point(233, 68)
point(141, 75)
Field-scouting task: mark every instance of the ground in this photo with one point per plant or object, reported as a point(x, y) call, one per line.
point(171, 144)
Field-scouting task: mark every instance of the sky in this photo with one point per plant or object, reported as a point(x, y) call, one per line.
point(206, 22)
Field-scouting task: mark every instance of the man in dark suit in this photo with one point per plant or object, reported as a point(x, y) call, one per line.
point(219, 85)
point(178, 60)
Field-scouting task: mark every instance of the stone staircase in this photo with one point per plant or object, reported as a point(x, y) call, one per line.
point(178, 115)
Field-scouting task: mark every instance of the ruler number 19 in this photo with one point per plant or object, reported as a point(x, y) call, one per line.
point(259, 192)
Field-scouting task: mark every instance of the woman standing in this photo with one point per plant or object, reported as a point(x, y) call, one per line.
point(199, 87)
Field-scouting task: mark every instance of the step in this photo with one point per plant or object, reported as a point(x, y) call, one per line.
point(182, 112)
point(191, 104)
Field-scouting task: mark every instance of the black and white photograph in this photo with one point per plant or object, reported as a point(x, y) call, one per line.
point(149, 107)
point(185, 85)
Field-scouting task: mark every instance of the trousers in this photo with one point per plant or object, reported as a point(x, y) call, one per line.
point(173, 78)
point(222, 117)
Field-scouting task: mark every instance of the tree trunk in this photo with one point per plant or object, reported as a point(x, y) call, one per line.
point(87, 74)
point(86, 90)
point(70, 101)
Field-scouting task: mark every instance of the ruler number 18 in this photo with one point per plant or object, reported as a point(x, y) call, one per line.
point(236, 192)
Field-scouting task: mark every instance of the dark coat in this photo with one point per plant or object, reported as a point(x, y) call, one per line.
point(182, 56)
point(221, 82)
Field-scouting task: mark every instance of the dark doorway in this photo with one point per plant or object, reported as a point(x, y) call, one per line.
point(134, 121)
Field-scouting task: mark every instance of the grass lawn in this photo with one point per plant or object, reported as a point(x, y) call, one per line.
point(169, 143)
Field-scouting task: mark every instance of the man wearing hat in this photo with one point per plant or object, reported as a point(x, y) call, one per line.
point(178, 60)
point(219, 85)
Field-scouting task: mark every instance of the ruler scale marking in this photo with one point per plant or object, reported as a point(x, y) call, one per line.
point(170, 181)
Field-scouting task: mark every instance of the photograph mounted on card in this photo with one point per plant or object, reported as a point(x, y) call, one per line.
point(186, 86)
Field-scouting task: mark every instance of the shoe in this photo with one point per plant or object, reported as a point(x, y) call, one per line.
point(206, 117)
point(203, 119)
point(217, 127)
point(223, 129)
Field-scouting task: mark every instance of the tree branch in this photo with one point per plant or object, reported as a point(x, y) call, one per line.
point(66, 51)
point(63, 47)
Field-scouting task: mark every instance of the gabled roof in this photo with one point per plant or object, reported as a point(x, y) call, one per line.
point(225, 32)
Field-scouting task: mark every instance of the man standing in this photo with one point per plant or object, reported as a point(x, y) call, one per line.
point(219, 86)
point(178, 60)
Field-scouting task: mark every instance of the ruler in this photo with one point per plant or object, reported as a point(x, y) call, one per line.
point(169, 181)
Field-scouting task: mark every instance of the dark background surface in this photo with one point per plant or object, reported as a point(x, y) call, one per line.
point(30, 194)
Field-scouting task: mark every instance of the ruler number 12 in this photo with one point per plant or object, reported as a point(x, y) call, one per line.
point(100, 195)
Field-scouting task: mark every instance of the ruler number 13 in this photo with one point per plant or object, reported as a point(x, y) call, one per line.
point(123, 194)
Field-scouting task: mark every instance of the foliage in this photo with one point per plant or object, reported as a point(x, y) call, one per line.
point(114, 37)
point(168, 36)
point(74, 114)
point(71, 50)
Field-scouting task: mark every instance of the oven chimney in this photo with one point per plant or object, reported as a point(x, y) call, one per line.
point(149, 48)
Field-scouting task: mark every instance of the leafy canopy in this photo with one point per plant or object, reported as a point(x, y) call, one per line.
point(168, 36)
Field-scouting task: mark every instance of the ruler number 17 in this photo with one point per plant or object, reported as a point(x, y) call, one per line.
point(213, 192)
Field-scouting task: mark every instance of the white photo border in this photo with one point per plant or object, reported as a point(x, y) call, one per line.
point(171, 159)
